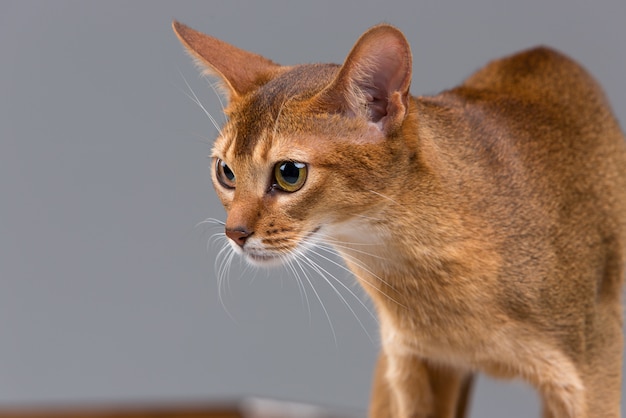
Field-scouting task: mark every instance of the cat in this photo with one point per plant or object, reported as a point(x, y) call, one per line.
point(487, 223)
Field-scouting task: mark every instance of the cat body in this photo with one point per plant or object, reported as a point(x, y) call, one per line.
point(487, 223)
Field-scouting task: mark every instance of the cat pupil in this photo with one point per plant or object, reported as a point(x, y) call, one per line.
point(290, 172)
point(228, 172)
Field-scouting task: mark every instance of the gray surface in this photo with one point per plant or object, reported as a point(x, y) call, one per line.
point(107, 291)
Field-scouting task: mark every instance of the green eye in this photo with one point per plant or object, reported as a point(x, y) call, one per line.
point(290, 176)
point(224, 174)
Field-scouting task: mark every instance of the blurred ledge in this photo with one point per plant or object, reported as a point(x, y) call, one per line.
point(245, 408)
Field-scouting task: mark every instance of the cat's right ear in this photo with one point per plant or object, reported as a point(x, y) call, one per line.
point(240, 71)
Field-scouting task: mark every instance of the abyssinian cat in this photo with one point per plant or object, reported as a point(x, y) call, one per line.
point(487, 223)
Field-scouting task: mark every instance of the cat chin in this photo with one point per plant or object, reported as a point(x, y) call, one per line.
point(258, 256)
point(264, 260)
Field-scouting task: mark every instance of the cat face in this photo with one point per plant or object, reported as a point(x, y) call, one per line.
point(289, 178)
point(308, 151)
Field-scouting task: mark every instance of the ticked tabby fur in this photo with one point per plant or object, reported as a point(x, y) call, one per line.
point(494, 213)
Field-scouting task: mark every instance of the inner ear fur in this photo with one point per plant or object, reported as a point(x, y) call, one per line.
point(375, 78)
point(240, 71)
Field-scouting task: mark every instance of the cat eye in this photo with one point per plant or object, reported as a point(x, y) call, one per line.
point(290, 175)
point(224, 174)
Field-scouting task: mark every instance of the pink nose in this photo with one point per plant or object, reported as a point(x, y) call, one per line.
point(238, 235)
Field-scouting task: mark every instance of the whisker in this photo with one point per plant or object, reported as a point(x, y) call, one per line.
point(221, 264)
point(329, 248)
point(212, 224)
point(203, 138)
point(386, 197)
point(213, 240)
point(211, 221)
point(248, 268)
point(319, 299)
point(331, 240)
point(331, 245)
point(197, 101)
point(300, 264)
point(366, 269)
point(222, 272)
point(303, 295)
point(325, 274)
point(219, 96)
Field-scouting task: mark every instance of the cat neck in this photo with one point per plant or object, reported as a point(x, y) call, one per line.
point(409, 236)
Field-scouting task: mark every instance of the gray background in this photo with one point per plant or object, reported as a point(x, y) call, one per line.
point(107, 289)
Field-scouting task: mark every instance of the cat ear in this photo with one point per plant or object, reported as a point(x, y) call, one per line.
point(374, 79)
point(240, 71)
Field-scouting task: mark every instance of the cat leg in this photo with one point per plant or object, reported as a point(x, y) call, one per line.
point(407, 386)
point(463, 403)
point(604, 365)
point(381, 403)
point(409, 382)
point(451, 389)
point(599, 368)
point(564, 401)
point(559, 381)
point(561, 388)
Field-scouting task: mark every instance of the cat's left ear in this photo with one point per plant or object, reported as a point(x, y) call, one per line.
point(375, 78)
point(240, 71)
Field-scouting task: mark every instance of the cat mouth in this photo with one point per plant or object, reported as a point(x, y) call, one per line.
point(264, 259)
point(269, 258)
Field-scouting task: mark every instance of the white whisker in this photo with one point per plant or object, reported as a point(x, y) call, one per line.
point(335, 244)
point(330, 322)
point(197, 101)
point(219, 96)
point(303, 295)
point(213, 240)
point(365, 268)
point(325, 274)
point(386, 197)
point(300, 264)
point(222, 271)
point(329, 239)
point(212, 221)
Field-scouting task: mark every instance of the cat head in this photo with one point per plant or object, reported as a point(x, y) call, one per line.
point(309, 152)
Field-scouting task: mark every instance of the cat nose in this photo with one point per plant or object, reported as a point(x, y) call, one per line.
point(238, 235)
